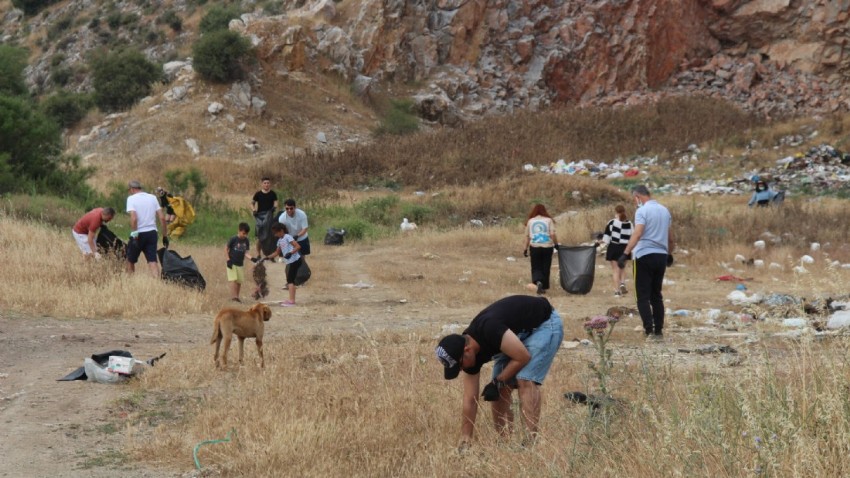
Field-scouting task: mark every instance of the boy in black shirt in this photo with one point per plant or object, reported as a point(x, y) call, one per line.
point(237, 249)
point(264, 201)
point(521, 334)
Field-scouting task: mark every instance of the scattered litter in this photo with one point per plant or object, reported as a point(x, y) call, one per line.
point(815, 246)
point(359, 285)
point(807, 259)
point(110, 367)
point(796, 322)
point(731, 278)
point(839, 320)
point(510, 259)
point(570, 344)
point(740, 297)
point(759, 244)
point(407, 226)
point(711, 349)
point(208, 442)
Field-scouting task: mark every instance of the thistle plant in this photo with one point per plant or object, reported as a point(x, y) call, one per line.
point(599, 329)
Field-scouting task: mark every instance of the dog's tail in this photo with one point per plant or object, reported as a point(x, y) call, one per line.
point(216, 333)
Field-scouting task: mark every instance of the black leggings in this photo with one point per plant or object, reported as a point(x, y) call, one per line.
point(541, 264)
point(649, 276)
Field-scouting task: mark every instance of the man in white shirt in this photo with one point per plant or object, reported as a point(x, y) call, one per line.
point(144, 210)
point(296, 223)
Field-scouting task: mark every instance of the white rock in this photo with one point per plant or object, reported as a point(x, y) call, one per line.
point(193, 145)
point(758, 244)
point(740, 258)
point(815, 246)
point(476, 222)
point(800, 270)
point(215, 108)
point(320, 137)
point(775, 266)
point(241, 126)
point(807, 259)
point(758, 263)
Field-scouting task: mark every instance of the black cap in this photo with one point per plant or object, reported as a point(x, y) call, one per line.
point(449, 352)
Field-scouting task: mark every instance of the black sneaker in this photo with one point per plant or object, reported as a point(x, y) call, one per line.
point(540, 290)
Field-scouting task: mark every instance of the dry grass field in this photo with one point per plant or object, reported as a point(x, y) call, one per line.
point(351, 386)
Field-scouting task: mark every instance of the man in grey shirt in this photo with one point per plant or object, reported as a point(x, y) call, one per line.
point(652, 244)
point(296, 223)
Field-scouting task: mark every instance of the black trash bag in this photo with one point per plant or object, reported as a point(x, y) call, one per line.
point(264, 222)
point(304, 272)
point(778, 199)
point(108, 243)
point(181, 270)
point(335, 237)
point(577, 266)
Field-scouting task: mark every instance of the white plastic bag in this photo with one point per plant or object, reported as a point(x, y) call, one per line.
point(97, 373)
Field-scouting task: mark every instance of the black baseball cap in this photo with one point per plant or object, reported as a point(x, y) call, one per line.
point(449, 352)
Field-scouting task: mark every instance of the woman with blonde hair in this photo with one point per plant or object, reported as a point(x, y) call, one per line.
point(540, 244)
point(618, 231)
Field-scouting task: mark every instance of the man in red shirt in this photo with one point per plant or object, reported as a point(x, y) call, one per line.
point(85, 230)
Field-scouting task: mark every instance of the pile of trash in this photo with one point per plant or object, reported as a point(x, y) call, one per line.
point(588, 167)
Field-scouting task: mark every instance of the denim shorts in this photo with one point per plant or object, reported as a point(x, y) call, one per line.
point(542, 343)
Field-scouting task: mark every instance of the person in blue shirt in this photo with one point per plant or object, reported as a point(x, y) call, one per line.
point(651, 246)
point(763, 195)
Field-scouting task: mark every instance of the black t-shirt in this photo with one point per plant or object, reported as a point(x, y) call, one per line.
point(236, 248)
point(265, 201)
point(517, 313)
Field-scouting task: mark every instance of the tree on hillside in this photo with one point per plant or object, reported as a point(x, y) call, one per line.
point(31, 7)
point(121, 78)
point(12, 63)
point(28, 138)
point(218, 18)
point(218, 56)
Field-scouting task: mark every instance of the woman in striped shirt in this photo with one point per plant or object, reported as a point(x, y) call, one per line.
point(618, 231)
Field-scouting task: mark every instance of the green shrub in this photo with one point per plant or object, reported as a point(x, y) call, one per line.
point(31, 7)
point(399, 119)
point(378, 210)
point(416, 212)
point(218, 18)
point(12, 63)
point(356, 229)
point(59, 27)
point(218, 56)
point(190, 184)
point(66, 108)
point(170, 18)
point(60, 76)
point(121, 78)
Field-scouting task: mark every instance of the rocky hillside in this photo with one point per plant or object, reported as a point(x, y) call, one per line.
point(462, 59)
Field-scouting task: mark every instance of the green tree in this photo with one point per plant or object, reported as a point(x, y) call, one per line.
point(219, 56)
point(12, 63)
point(66, 108)
point(31, 7)
point(121, 78)
point(180, 182)
point(31, 153)
point(218, 18)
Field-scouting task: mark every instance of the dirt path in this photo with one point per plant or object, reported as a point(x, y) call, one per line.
point(59, 429)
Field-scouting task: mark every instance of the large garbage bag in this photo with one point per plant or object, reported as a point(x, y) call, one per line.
point(182, 270)
point(264, 222)
point(108, 243)
point(577, 265)
point(184, 216)
point(303, 274)
point(335, 237)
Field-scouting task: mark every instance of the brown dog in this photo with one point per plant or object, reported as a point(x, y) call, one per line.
point(243, 323)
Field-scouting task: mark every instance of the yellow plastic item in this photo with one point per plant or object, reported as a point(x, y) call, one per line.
point(185, 216)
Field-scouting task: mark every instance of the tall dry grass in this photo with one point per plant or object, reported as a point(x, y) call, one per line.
point(376, 405)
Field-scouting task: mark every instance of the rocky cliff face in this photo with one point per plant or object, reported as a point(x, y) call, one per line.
point(466, 58)
point(494, 56)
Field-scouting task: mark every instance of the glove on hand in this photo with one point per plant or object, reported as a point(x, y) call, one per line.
point(491, 392)
point(287, 255)
point(165, 241)
point(255, 259)
point(525, 253)
point(229, 264)
point(669, 260)
point(134, 235)
point(621, 261)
